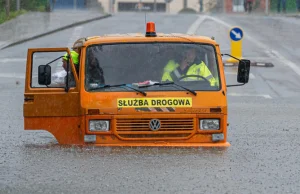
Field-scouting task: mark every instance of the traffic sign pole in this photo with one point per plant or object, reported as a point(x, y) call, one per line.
point(236, 35)
point(236, 51)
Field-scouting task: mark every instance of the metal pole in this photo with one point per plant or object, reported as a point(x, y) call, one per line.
point(155, 6)
point(140, 7)
point(18, 5)
point(168, 7)
point(75, 4)
point(201, 5)
point(110, 6)
point(184, 4)
point(7, 8)
point(267, 7)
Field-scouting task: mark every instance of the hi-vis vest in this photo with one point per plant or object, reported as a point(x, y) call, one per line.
point(171, 73)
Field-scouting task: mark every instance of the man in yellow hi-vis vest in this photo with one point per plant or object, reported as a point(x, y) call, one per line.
point(173, 71)
point(75, 58)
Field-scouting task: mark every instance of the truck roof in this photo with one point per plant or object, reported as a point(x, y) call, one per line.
point(149, 36)
point(139, 37)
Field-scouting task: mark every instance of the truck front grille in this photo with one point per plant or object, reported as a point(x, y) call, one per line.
point(139, 128)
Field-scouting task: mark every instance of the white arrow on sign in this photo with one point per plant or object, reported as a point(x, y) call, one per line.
point(237, 35)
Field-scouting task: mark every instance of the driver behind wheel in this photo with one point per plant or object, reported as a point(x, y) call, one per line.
point(186, 66)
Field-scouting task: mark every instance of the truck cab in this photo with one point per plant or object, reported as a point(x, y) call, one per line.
point(136, 89)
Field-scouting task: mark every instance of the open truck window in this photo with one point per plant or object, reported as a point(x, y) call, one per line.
point(56, 62)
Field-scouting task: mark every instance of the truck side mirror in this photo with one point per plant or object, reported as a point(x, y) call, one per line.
point(44, 75)
point(243, 71)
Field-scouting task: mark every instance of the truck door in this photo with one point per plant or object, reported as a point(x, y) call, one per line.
point(51, 107)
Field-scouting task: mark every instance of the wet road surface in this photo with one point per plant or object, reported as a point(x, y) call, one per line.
point(264, 122)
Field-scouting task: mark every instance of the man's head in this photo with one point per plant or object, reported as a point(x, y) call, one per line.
point(189, 56)
point(74, 56)
point(92, 60)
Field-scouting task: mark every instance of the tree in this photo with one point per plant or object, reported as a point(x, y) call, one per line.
point(201, 5)
point(184, 4)
point(7, 8)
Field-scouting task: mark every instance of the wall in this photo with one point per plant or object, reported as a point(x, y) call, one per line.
point(174, 7)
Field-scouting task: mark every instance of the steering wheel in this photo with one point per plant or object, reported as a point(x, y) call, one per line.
point(197, 76)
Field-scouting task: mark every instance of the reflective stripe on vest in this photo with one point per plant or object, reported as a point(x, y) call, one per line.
point(175, 77)
point(209, 77)
point(176, 74)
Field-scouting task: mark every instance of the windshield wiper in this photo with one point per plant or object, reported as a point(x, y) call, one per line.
point(170, 83)
point(119, 85)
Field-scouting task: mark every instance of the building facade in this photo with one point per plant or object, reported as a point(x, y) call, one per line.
point(232, 6)
point(173, 6)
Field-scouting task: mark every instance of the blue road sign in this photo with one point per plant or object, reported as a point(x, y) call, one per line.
point(236, 34)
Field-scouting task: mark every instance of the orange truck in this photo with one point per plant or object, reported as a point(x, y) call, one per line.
point(136, 89)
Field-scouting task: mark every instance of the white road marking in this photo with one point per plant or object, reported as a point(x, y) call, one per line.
point(267, 50)
point(260, 58)
point(225, 49)
point(260, 64)
point(12, 75)
point(230, 73)
point(9, 60)
point(194, 27)
point(251, 76)
point(267, 96)
point(75, 36)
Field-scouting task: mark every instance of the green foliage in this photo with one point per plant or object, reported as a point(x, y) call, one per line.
point(34, 5)
point(12, 15)
point(25, 5)
point(29, 5)
point(256, 4)
point(41, 8)
point(290, 6)
point(188, 10)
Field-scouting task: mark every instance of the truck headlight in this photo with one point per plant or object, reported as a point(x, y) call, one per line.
point(209, 124)
point(99, 125)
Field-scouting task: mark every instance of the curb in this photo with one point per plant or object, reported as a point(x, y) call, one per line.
point(53, 31)
point(255, 64)
point(295, 15)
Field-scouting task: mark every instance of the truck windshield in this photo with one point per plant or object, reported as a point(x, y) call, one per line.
point(190, 65)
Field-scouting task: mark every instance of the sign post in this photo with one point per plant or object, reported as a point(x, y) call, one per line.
point(267, 7)
point(168, 5)
point(236, 35)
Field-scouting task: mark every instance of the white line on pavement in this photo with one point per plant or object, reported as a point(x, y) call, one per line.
point(75, 36)
point(9, 60)
point(194, 27)
point(267, 50)
point(12, 75)
point(251, 76)
point(267, 96)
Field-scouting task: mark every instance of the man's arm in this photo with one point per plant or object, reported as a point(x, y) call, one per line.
point(166, 77)
point(208, 75)
point(171, 65)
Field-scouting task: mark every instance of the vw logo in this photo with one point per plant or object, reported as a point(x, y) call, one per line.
point(154, 124)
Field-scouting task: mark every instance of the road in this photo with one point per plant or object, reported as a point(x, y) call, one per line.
point(264, 117)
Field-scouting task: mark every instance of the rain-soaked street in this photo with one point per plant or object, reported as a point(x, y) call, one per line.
point(264, 115)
